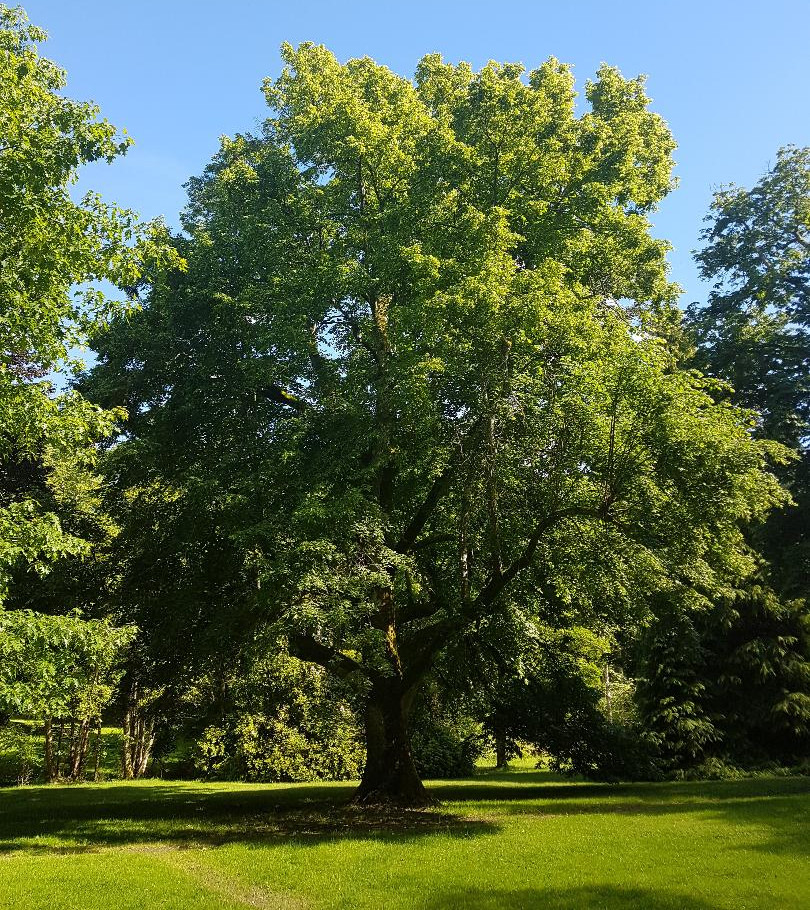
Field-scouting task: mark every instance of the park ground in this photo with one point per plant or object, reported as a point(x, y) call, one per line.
point(501, 841)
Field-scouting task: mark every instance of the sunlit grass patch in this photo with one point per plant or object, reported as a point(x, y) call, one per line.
point(514, 839)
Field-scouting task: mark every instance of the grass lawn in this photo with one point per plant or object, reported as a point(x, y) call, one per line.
point(521, 839)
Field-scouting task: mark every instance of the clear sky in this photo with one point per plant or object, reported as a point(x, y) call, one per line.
point(731, 78)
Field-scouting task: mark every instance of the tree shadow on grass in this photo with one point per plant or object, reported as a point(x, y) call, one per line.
point(82, 819)
point(48, 819)
point(599, 897)
point(533, 785)
point(780, 805)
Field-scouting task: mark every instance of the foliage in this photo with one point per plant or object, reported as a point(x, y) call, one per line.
point(553, 698)
point(447, 739)
point(728, 681)
point(754, 330)
point(673, 688)
point(19, 758)
point(22, 754)
point(60, 667)
point(278, 720)
point(396, 390)
point(760, 644)
point(48, 245)
point(728, 673)
point(277, 749)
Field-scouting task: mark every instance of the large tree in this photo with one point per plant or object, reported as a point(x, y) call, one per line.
point(754, 330)
point(413, 371)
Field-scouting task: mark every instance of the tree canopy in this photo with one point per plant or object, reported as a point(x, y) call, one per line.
point(754, 331)
point(417, 370)
point(53, 251)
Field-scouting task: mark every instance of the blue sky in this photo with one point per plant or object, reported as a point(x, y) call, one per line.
point(731, 78)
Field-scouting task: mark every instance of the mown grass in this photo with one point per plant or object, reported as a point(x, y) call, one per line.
point(520, 839)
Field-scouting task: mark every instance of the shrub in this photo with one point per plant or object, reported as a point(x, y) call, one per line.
point(445, 743)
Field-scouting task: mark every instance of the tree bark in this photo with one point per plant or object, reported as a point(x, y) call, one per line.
point(79, 749)
point(500, 749)
point(50, 768)
point(58, 758)
point(98, 751)
point(138, 737)
point(143, 746)
point(390, 776)
point(71, 749)
point(126, 745)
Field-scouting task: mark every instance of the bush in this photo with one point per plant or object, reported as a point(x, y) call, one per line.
point(445, 744)
point(712, 768)
point(596, 748)
point(282, 721)
point(273, 749)
point(20, 759)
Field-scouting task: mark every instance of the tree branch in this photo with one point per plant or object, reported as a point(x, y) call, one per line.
point(308, 649)
point(434, 638)
point(281, 396)
point(438, 488)
point(497, 583)
point(432, 539)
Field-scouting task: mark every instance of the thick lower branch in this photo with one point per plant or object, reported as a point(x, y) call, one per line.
point(435, 637)
point(497, 583)
point(282, 396)
point(308, 649)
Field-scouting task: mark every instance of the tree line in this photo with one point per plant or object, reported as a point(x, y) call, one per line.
point(402, 441)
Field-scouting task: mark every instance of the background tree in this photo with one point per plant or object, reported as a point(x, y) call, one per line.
point(61, 671)
point(754, 333)
point(49, 245)
point(395, 388)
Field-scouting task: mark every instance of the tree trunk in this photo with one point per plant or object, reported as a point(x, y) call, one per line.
point(390, 775)
point(128, 729)
point(71, 748)
point(500, 749)
point(126, 746)
point(50, 768)
point(138, 739)
point(79, 749)
point(143, 745)
point(98, 751)
point(58, 759)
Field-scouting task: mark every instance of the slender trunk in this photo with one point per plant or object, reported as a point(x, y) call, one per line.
point(139, 737)
point(71, 749)
point(500, 748)
point(143, 746)
point(50, 769)
point(126, 754)
point(390, 775)
point(59, 748)
point(97, 751)
point(130, 714)
point(80, 747)
point(608, 705)
point(494, 532)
